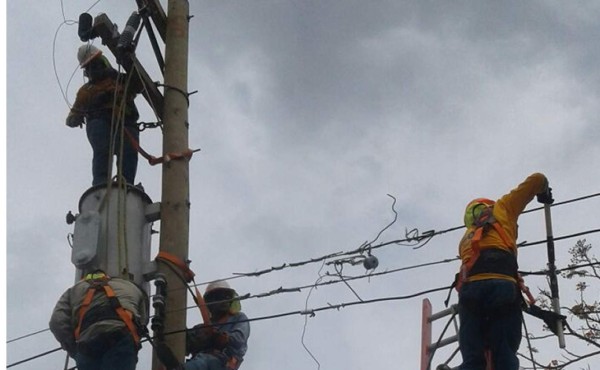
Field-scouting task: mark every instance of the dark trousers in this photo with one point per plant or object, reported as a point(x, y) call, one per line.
point(98, 133)
point(490, 318)
point(105, 354)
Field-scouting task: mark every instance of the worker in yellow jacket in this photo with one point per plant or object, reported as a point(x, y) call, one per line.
point(489, 295)
point(106, 105)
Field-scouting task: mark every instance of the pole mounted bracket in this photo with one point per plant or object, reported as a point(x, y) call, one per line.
point(108, 33)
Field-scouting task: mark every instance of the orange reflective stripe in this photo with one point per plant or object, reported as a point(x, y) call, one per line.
point(85, 305)
point(125, 315)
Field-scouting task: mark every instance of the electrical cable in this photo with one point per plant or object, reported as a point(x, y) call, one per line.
point(27, 335)
point(281, 290)
point(528, 342)
point(428, 236)
point(304, 327)
point(310, 312)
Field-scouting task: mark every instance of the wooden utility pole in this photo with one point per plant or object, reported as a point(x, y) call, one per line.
point(175, 203)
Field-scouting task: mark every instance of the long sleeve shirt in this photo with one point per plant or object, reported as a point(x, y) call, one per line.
point(65, 317)
point(506, 212)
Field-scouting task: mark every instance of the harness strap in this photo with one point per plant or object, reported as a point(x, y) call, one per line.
point(478, 234)
point(123, 314)
point(85, 305)
point(164, 159)
point(189, 276)
point(185, 269)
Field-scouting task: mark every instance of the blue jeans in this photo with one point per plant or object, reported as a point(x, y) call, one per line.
point(490, 318)
point(204, 361)
point(98, 133)
point(121, 355)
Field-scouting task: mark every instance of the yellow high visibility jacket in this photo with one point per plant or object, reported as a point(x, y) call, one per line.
point(506, 211)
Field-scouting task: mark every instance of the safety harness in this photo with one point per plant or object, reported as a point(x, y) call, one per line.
point(99, 283)
point(232, 362)
point(480, 215)
point(483, 222)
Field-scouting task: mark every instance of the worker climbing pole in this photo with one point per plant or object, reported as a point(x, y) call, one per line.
point(112, 233)
point(175, 205)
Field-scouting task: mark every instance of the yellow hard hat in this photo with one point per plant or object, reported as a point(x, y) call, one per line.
point(474, 209)
point(87, 53)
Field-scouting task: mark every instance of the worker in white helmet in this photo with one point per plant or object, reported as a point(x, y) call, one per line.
point(222, 344)
point(106, 104)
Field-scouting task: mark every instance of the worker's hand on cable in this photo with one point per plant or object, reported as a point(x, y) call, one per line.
point(546, 196)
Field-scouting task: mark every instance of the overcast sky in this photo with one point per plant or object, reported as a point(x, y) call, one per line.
point(309, 113)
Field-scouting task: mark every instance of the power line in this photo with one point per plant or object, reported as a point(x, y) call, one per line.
point(282, 290)
point(408, 239)
point(427, 236)
point(27, 335)
point(310, 312)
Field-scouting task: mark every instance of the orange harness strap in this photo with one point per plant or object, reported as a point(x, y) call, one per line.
point(123, 314)
point(187, 273)
point(85, 305)
point(189, 276)
point(478, 234)
point(152, 160)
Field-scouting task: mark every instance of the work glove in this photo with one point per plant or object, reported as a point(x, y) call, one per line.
point(199, 338)
point(220, 339)
point(74, 120)
point(545, 197)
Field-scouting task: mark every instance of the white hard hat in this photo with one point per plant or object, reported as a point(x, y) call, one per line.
point(215, 285)
point(86, 53)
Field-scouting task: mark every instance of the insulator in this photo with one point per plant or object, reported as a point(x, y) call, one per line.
point(70, 218)
point(158, 302)
point(85, 27)
point(370, 262)
point(132, 25)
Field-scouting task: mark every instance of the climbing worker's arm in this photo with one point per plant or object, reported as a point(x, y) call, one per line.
point(516, 201)
point(237, 337)
point(61, 323)
point(77, 112)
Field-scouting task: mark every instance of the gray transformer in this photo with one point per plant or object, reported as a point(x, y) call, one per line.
point(113, 232)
